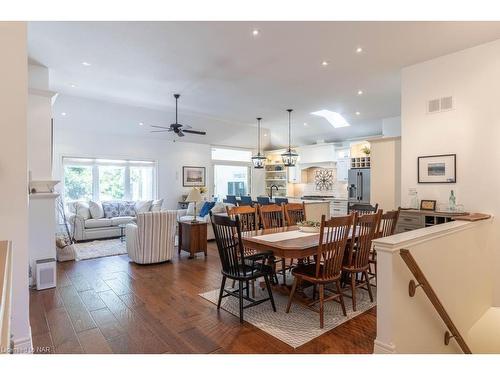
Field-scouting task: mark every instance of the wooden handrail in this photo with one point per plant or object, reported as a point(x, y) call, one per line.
point(433, 298)
point(5, 295)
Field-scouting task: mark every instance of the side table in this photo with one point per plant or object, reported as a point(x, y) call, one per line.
point(193, 237)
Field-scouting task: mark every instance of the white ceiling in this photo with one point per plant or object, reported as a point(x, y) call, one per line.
point(227, 77)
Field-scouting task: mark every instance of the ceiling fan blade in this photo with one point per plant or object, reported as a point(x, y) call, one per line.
point(195, 132)
point(180, 133)
point(160, 127)
point(159, 131)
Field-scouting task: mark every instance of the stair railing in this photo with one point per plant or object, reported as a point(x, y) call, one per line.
point(422, 281)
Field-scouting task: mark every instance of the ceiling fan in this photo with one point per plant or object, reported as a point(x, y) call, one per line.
point(177, 128)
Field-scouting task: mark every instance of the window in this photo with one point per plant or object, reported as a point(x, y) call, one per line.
point(101, 179)
point(78, 182)
point(111, 183)
point(232, 180)
point(141, 182)
point(233, 175)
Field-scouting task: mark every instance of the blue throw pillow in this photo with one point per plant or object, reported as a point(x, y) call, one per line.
point(206, 208)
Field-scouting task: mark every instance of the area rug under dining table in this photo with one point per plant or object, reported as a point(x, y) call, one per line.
point(299, 326)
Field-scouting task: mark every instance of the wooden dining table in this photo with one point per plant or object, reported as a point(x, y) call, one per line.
point(285, 242)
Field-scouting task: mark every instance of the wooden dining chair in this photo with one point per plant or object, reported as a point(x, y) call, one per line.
point(273, 216)
point(333, 238)
point(247, 215)
point(248, 221)
point(237, 266)
point(294, 213)
point(386, 227)
point(358, 260)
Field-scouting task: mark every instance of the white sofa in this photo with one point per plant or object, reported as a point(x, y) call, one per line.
point(88, 222)
point(188, 215)
point(152, 238)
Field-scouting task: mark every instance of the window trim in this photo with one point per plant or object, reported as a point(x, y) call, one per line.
point(95, 162)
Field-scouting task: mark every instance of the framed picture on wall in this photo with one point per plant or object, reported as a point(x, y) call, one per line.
point(437, 169)
point(193, 176)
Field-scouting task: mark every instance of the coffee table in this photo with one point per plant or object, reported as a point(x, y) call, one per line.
point(122, 231)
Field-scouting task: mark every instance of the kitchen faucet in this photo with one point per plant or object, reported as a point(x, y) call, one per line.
point(271, 191)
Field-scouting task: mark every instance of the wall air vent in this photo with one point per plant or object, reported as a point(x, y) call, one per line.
point(446, 103)
point(433, 106)
point(440, 104)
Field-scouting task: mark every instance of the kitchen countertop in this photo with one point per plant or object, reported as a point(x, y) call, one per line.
point(299, 200)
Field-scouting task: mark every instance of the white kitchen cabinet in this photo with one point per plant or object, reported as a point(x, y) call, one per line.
point(338, 207)
point(343, 169)
point(294, 175)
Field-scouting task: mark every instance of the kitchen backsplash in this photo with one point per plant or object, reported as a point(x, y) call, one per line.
point(322, 183)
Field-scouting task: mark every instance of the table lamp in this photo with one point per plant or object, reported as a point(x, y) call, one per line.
point(194, 196)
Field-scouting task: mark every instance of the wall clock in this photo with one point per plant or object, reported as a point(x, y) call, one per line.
point(323, 179)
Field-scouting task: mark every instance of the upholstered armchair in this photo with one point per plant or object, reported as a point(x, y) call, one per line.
point(152, 238)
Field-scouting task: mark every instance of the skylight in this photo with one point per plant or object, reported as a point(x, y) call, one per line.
point(334, 118)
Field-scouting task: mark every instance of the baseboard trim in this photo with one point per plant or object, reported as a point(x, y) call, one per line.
point(23, 345)
point(380, 347)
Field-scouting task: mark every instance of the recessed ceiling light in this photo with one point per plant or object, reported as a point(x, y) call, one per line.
point(334, 118)
point(85, 63)
point(72, 85)
point(358, 113)
point(359, 50)
point(305, 124)
point(255, 32)
point(360, 92)
point(63, 113)
point(324, 63)
point(141, 123)
point(265, 134)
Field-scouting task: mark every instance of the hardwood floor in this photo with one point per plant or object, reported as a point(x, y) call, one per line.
point(110, 305)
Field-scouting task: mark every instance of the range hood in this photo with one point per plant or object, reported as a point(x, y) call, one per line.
point(326, 164)
point(317, 156)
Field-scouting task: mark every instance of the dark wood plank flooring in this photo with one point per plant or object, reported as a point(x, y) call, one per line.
point(110, 305)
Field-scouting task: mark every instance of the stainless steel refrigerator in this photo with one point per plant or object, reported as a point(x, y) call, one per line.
point(359, 186)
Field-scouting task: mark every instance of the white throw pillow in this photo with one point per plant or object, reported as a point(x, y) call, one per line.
point(142, 206)
point(82, 209)
point(96, 210)
point(220, 207)
point(156, 205)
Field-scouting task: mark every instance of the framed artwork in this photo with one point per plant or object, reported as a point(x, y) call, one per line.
point(427, 205)
point(437, 169)
point(193, 176)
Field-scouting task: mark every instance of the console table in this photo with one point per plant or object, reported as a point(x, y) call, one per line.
point(416, 219)
point(193, 237)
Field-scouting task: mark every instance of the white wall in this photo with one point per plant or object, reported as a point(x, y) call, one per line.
point(14, 169)
point(391, 126)
point(457, 260)
point(385, 172)
point(471, 130)
point(39, 123)
point(171, 157)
